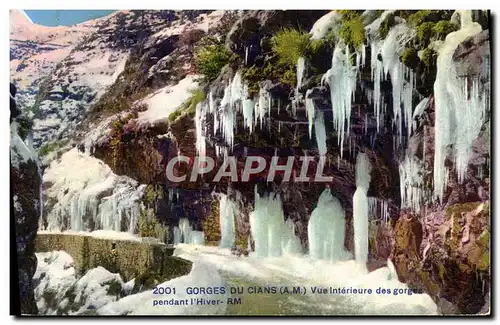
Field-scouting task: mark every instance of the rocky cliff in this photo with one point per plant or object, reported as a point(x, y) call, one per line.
point(395, 85)
point(25, 198)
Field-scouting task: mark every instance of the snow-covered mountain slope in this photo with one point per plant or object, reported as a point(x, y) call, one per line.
point(35, 50)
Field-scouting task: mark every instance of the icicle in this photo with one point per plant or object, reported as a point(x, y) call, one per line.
point(227, 214)
point(248, 109)
point(421, 107)
point(268, 228)
point(342, 81)
point(460, 107)
point(246, 55)
point(200, 132)
point(290, 242)
point(319, 124)
point(177, 235)
point(261, 106)
point(413, 191)
point(391, 49)
point(310, 111)
point(301, 63)
point(186, 230)
point(360, 209)
point(377, 74)
point(326, 229)
point(378, 209)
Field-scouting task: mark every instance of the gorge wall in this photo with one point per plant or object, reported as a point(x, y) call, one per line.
point(410, 89)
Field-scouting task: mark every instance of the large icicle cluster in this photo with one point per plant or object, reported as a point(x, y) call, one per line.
point(185, 234)
point(411, 177)
point(326, 229)
point(460, 107)
point(378, 209)
point(271, 235)
point(227, 214)
point(235, 99)
point(402, 78)
point(341, 78)
point(89, 196)
point(360, 208)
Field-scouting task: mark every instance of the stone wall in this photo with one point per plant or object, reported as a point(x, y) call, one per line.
point(128, 258)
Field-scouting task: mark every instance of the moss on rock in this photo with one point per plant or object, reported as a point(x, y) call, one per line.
point(352, 29)
point(410, 58)
point(386, 25)
point(211, 225)
point(444, 27)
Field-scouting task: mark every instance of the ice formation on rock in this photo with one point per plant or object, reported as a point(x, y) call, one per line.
point(290, 242)
point(319, 125)
point(360, 208)
point(460, 106)
point(88, 195)
point(323, 25)
point(411, 176)
point(378, 209)
point(326, 229)
point(267, 225)
point(227, 212)
point(341, 78)
point(310, 111)
point(402, 78)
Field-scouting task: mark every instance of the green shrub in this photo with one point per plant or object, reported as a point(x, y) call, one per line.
point(425, 32)
point(350, 14)
point(252, 75)
point(289, 77)
point(444, 27)
point(352, 30)
point(410, 58)
point(210, 60)
point(423, 16)
point(290, 44)
point(429, 57)
point(386, 25)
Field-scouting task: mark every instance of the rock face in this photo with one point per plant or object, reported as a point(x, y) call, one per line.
point(25, 213)
point(446, 250)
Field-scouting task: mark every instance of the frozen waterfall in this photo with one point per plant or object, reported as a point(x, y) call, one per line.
point(326, 229)
point(319, 125)
point(88, 196)
point(271, 235)
point(360, 209)
point(227, 213)
point(185, 234)
point(460, 106)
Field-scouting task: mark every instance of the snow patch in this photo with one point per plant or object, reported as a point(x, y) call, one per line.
point(167, 100)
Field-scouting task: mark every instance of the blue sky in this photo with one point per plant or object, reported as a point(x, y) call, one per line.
point(64, 17)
